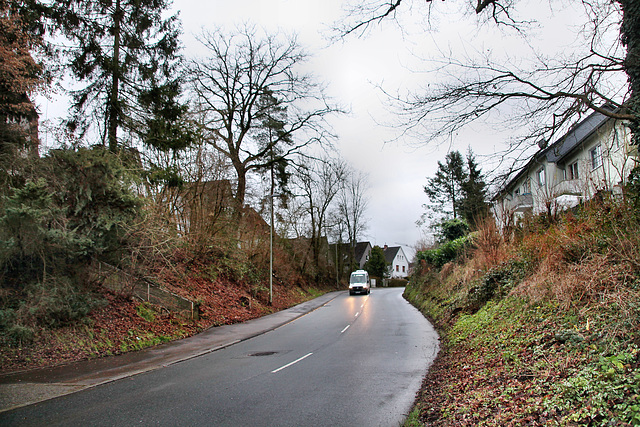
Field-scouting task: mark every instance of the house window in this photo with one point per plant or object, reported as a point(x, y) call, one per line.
point(596, 156)
point(403, 269)
point(397, 268)
point(541, 177)
point(572, 171)
point(526, 187)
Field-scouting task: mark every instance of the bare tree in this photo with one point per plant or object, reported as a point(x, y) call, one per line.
point(246, 77)
point(352, 205)
point(191, 191)
point(551, 92)
point(317, 184)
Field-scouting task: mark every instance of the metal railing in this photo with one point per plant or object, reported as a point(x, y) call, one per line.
point(113, 278)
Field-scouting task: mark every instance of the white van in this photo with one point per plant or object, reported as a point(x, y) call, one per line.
point(359, 283)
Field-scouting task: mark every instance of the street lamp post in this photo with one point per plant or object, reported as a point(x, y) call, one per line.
point(271, 238)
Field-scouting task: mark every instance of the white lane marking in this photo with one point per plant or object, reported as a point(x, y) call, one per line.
point(292, 363)
point(357, 314)
point(345, 329)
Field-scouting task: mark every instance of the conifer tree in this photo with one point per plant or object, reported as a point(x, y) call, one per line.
point(376, 265)
point(446, 186)
point(474, 190)
point(121, 51)
point(459, 188)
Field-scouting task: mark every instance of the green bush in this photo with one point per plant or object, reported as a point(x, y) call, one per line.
point(633, 188)
point(446, 252)
point(397, 283)
point(19, 335)
point(7, 318)
point(80, 206)
point(452, 229)
point(93, 186)
point(498, 281)
point(57, 303)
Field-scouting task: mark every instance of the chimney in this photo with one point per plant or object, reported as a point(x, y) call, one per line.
point(386, 247)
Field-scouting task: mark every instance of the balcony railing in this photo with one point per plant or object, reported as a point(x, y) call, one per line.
point(523, 202)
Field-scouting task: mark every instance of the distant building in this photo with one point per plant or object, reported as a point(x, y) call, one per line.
point(361, 253)
point(19, 126)
point(203, 207)
point(398, 262)
point(346, 254)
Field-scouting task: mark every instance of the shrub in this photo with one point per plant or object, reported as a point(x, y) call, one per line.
point(490, 247)
point(498, 282)
point(80, 206)
point(93, 187)
point(56, 303)
point(452, 229)
point(19, 335)
point(445, 253)
point(7, 318)
point(397, 283)
point(633, 188)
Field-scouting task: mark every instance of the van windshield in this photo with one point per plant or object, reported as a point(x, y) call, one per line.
point(358, 278)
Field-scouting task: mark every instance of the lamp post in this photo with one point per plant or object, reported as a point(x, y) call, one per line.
point(271, 237)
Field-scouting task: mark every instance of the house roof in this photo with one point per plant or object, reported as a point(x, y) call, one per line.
point(390, 253)
point(576, 135)
point(360, 250)
point(564, 146)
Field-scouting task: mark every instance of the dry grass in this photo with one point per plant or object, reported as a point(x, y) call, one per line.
point(491, 248)
point(587, 261)
point(562, 348)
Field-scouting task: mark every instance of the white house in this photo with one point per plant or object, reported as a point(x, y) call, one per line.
point(398, 262)
point(593, 156)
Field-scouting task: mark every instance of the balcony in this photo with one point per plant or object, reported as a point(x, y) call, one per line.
point(523, 202)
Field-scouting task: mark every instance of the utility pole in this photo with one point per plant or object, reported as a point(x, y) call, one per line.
point(271, 235)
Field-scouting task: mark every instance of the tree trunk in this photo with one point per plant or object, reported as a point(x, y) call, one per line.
point(630, 36)
point(113, 107)
point(241, 189)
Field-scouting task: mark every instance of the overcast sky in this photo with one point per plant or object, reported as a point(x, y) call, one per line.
point(387, 56)
point(353, 69)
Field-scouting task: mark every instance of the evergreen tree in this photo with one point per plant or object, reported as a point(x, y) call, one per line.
point(163, 124)
point(123, 50)
point(446, 186)
point(474, 191)
point(376, 265)
point(461, 186)
point(272, 137)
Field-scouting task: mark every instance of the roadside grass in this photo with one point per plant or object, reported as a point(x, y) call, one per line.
point(544, 331)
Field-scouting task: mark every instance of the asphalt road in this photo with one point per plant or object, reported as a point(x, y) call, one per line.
point(356, 361)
